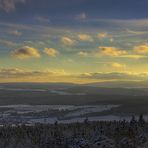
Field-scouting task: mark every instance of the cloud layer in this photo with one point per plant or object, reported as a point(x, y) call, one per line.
point(48, 75)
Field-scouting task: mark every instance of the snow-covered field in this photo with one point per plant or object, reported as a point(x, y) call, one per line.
point(84, 109)
point(78, 119)
point(62, 113)
point(52, 113)
point(51, 91)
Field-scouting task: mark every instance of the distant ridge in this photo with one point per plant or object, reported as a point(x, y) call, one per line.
point(107, 84)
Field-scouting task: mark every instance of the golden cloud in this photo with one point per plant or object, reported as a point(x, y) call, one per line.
point(117, 65)
point(115, 76)
point(58, 75)
point(67, 41)
point(102, 35)
point(17, 74)
point(25, 53)
point(111, 51)
point(141, 49)
point(51, 52)
point(85, 37)
point(133, 56)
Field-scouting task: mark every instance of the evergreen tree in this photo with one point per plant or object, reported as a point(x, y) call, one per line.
point(141, 120)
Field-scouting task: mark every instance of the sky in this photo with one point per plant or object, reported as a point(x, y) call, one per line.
point(78, 41)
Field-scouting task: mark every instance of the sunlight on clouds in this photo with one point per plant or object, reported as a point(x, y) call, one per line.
point(17, 72)
point(27, 75)
point(78, 40)
point(51, 52)
point(112, 51)
point(102, 35)
point(117, 65)
point(83, 53)
point(25, 53)
point(57, 72)
point(67, 41)
point(85, 38)
point(133, 56)
point(60, 75)
point(141, 49)
point(111, 76)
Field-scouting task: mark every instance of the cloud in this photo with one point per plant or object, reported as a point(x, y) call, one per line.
point(16, 72)
point(134, 56)
point(122, 23)
point(141, 49)
point(111, 51)
point(42, 19)
point(85, 37)
point(7, 43)
point(67, 41)
point(9, 5)
point(15, 33)
point(25, 53)
point(111, 40)
point(27, 73)
point(81, 16)
point(105, 35)
point(115, 52)
point(136, 32)
point(117, 65)
point(102, 35)
point(60, 75)
point(115, 76)
point(83, 53)
point(51, 52)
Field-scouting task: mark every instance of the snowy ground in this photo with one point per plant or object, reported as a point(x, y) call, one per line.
point(62, 113)
point(51, 113)
point(84, 109)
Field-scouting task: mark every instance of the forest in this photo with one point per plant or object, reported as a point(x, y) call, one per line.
point(98, 134)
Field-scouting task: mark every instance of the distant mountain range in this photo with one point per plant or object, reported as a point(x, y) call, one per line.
point(108, 84)
point(131, 88)
point(121, 84)
point(76, 94)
